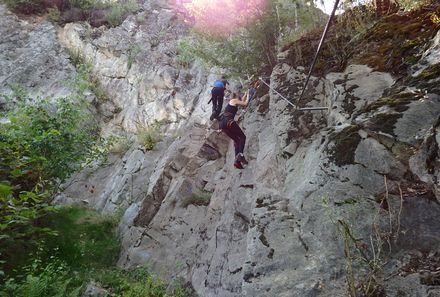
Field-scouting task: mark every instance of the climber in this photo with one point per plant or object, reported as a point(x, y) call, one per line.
point(217, 95)
point(230, 127)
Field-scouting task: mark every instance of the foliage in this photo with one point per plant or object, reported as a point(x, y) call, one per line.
point(413, 4)
point(85, 81)
point(139, 282)
point(119, 11)
point(41, 144)
point(81, 242)
point(149, 136)
point(120, 144)
point(25, 6)
point(198, 197)
point(53, 14)
point(82, 239)
point(364, 246)
point(140, 19)
point(250, 48)
point(40, 147)
point(83, 247)
point(133, 51)
point(50, 280)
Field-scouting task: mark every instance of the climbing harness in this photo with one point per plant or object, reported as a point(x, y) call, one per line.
point(321, 42)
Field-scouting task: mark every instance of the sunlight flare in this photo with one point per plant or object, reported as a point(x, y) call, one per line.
point(222, 16)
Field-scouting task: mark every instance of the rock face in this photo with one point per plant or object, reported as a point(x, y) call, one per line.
point(136, 65)
point(32, 58)
point(321, 192)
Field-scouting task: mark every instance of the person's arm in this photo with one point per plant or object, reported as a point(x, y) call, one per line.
point(237, 102)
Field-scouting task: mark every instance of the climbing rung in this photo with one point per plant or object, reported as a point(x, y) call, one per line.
point(313, 108)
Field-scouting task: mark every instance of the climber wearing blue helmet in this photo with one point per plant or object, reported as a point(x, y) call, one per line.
point(217, 94)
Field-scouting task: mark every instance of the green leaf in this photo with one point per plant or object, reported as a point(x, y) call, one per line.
point(5, 191)
point(16, 173)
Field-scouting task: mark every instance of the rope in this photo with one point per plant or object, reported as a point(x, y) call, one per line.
point(288, 101)
point(324, 34)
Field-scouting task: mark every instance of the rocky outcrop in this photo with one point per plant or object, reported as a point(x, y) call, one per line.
point(31, 58)
point(136, 65)
point(330, 201)
point(272, 229)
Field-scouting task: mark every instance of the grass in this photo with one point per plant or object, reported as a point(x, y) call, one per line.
point(119, 11)
point(199, 197)
point(83, 247)
point(83, 238)
point(148, 137)
point(120, 144)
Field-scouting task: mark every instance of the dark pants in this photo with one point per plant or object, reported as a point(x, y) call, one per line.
point(237, 135)
point(217, 95)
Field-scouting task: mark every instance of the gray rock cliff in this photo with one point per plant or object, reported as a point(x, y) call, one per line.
point(367, 168)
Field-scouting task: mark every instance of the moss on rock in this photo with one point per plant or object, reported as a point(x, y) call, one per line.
point(345, 144)
point(384, 122)
point(399, 102)
point(390, 44)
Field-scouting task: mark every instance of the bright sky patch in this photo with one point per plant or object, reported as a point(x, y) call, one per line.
point(221, 16)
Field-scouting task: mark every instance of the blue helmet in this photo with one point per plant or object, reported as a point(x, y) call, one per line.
point(218, 84)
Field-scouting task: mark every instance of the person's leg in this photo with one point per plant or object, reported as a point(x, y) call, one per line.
point(214, 101)
point(221, 96)
point(239, 135)
point(217, 101)
point(234, 137)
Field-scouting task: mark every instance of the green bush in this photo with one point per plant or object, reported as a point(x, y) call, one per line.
point(148, 137)
point(53, 14)
point(139, 282)
point(199, 197)
point(82, 238)
point(25, 6)
point(119, 11)
point(44, 143)
point(252, 47)
point(42, 280)
point(120, 144)
point(41, 145)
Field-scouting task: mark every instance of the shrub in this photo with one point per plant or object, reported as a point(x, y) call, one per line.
point(40, 146)
point(197, 198)
point(251, 47)
point(53, 14)
point(134, 50)
point(82, 238)
point(42, 280)
point(148, 137)
point(139, 282)
point(120, 144)
point(119, 11)
point(25, 6)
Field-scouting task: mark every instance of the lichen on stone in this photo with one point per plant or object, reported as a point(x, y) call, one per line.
point(345, 144)
point(399, 102)
point(384, 122)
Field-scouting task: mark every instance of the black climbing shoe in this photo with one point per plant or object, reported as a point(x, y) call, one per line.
point(238, 165)
point(240, 158)
point(212, 117)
